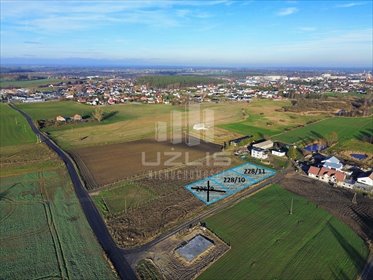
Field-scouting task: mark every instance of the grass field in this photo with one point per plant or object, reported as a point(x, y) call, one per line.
point(127, 122)
point(28, 84)
point(268, 243)
point(346, 128)
point(264, 118)
point(14, 129)
point(43, 230)
point(121, 197)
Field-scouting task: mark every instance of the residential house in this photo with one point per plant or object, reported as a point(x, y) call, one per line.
point(278, 152)
point(332, 163)
point(259, 153)
point(327, 175)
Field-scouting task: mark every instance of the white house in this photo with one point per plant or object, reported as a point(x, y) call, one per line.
point(332, 163)
point(367, 180)
point(279, 153)
point(259, 153)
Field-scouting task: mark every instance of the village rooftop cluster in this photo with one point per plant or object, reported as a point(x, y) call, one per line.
point(101, 90)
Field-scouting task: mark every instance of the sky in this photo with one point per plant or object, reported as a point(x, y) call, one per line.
point(304, 33)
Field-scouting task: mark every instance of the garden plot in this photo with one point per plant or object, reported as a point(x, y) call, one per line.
point(228, 182)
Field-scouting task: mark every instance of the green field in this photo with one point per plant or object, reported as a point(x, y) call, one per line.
point(28, 83)
point(346, 128)
point(43, 230)
point(14, 129)
point(44, 233)
point(264, 118)
point(268, 243)
point(121, 197)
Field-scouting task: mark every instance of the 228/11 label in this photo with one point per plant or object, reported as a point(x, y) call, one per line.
point(254, 171)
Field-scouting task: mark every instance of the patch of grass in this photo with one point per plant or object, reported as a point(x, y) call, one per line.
point(14, 129)
point(269, 243)
point(346, 128)
point(354, 145)
point(121, 198)
point(245, 129)
point(147, 271)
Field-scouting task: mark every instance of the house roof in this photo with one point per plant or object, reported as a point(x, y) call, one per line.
point(332, 159)
point(339, 176)
point(314, 170)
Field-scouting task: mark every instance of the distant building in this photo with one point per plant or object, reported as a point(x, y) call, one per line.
point(60, 119)
point(259, 153)
point(199, 126)
point(77, 117)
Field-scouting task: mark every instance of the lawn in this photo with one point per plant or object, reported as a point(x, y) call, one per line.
point(346, 128)
point(268, 243)
point(14, 129)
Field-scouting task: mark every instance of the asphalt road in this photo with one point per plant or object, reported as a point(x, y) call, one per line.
point(93, 216)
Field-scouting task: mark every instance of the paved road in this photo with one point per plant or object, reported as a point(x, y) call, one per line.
point(94, 218)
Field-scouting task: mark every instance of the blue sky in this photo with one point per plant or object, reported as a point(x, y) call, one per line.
point(200, 33)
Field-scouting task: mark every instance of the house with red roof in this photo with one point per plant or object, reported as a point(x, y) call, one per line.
point(326, 175)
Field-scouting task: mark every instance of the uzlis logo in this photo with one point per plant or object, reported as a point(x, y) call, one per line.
point(189, 126)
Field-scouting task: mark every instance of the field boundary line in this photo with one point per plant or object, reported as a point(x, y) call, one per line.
point(53, 229)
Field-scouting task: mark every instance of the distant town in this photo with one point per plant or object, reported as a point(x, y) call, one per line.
point(106, 88)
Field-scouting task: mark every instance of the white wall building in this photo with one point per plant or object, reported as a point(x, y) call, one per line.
point(366, 180)
point(279, 153)
point(259, 153)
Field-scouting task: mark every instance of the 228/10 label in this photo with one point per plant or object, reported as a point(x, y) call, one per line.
point(234, 180)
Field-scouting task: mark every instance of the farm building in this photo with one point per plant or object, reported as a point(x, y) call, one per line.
point(77, 117)
point(259, 153)
point(332, 163)
point(264, 145)
point(237, 141)
point(60, 119)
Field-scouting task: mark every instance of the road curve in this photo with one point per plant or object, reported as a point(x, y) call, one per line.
point(93, 216)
